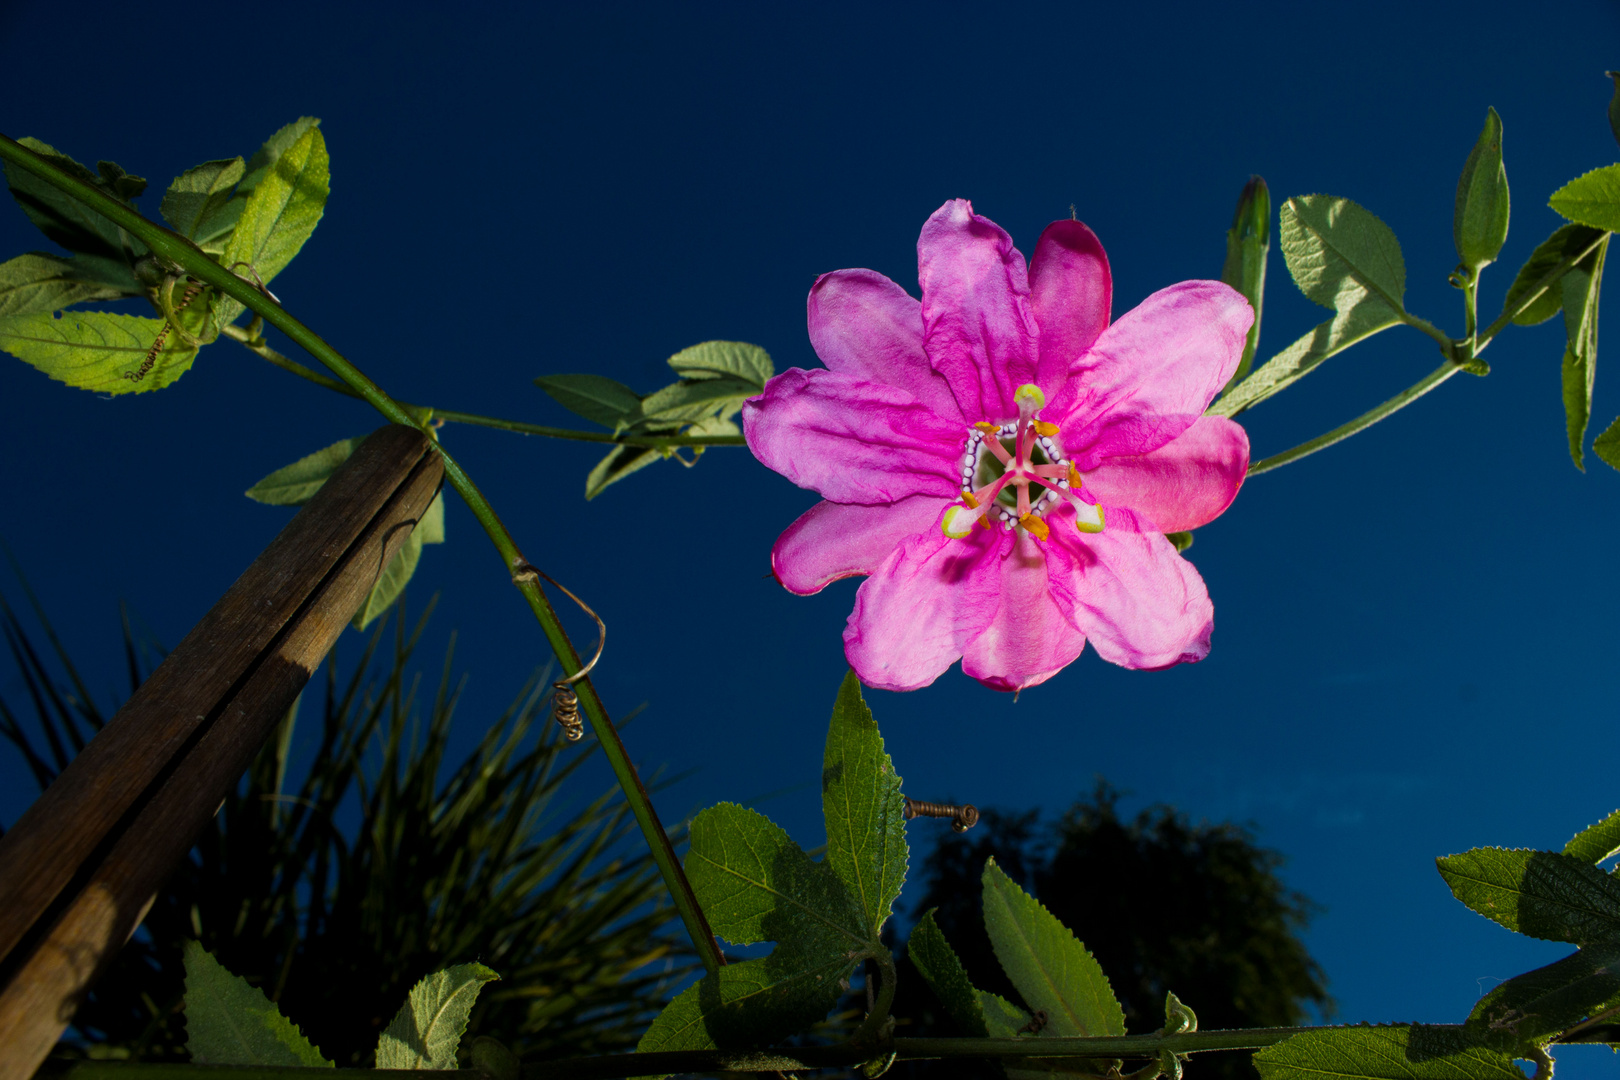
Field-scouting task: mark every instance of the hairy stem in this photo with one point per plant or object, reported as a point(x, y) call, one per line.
point(1365, 420)
point(183, 253)
point(257, 346)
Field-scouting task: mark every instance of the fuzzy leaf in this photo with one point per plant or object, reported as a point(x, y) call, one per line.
point(229, 1022)
point(1597, 842)
point(68, 221)
point(1332, 245)
point(1046, 962)
point(595, 397)
point(279, 215)
point(214, 232)
point(296, 484)
point(1248, 242)
point(1607, 445)
point(391, 582)
point(1546, 1001)
point(713, 359)
point(1565, 242)
point(1385, 1053)
point(864, 811)
point(687, 401)
point(1591, 199)
point(1542, 894)
point(38, 283)
point(1479, 221)
point(97, 350)
point(427, 1030)
point(942, 969)
point(199, 194)
point(1580, 288)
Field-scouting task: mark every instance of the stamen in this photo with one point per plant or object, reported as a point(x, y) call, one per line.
point(967, 497)
point(1039, 529)
point(987, 427)
point(1074, 475)
point(1044, 429)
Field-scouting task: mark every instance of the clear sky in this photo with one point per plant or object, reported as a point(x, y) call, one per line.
point(1414, 648)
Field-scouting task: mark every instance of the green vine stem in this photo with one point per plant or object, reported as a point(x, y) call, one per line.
point(256, 345)
point(183, 253)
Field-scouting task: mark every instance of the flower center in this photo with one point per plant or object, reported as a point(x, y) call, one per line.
point(1012, 473)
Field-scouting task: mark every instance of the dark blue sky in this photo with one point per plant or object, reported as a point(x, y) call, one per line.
point(1415, 647)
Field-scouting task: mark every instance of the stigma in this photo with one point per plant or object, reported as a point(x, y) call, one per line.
point(1014, 472)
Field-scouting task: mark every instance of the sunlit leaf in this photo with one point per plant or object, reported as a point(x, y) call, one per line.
point(864, 811)
point(199, 193)
point(38, 283)
point(1332, 244)
point(296, 484)
point(214, 231)
point(1591, 199)
point(713, 359)
point(1580, 288)
point(687, 401)
point(1596, 842)
point(279, 215)
point(427, 1030)
point(391, 582)
point(1542, 894)
point(98, 350)
point(1385, 1053)
point(229, 1022)
point(1607, 445)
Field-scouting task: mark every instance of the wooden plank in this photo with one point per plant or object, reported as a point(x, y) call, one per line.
point(79, 869)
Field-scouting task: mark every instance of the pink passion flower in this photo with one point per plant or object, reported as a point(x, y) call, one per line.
point(1001, 462)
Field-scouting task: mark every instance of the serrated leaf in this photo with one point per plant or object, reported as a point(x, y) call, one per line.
point(1248, 242)
point(229, 1022)
point(391, 582)
point(1591, 199)
point(296, 484)
point(215, 231)
point(97, 350)
point(595, 397)
point(687, 401)
point(755, 884)
point(1046, 962)
point(1566, 242)
point(199, 193)
point(427, 1030)
point(66, 220)
point(1580, 288)
point(940, 967)
point(1542, 894)
point(1543, 1002)
point(1479, 221)
point(1596, 842)
point(279, 216)
point(713, 359)
point(1361, 316)
point(863, 808)
point(1607, 445)
point(37, 283)
point(1385, 1053)
point(1332, 244)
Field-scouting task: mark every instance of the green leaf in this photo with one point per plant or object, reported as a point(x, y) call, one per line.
point(1385, 1053)
point(229, 1022)
point(214, 232)
point(943, 971)
point(619, 463)
point(296, 484)
point(712, 359)
point(1546, 1001)
point(688, 401)
point(1542, 894)
point(1362, 316)
point(1591, 199)
point(1333, 245)
point(1597, 842)
point(70, 222)
point(865, 813)
point(1050, 967)
point(1479, 220)
point(1580, 288)
point(1607, 445)
point(1181, 540)
point(279, 215)
point(391, 582)
point(199, 194)
point(431, 527)
point(1247, 243)
point(595, 397)
point(427, 1030)
point(98, 350)
point(39, 283)
point(1567, 241)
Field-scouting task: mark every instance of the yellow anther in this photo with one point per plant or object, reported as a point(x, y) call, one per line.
point(987, 427)
point(1043, 428)
point(1074, 476)
point(1037, 528)
point(967, 497)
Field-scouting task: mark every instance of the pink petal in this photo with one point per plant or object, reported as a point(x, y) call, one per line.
point(1152, 373)
point(1071, 290)
point(978, 328)
point(918, 610)
point(1029, 640)
point(834, 540)
point(864, 325)
point(1185, 483)
point(1139, 603)
point(852, 441)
